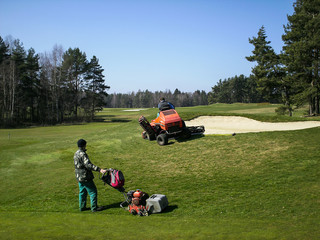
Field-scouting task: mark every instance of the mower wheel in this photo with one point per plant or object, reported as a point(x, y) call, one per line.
point(186, 133)
point(150, 137)
point(162, 139)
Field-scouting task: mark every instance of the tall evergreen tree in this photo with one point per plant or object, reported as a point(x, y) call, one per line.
point(267, 60)
point(4, 75)
point(31, 83)
point(56, 60)
point(221, 92)
point(203, 98)
point(4, 50)
point(95, 87)
point(252, 95)
point(301, 53)
point(74, 67)
point(239, 86)
point(17, 75)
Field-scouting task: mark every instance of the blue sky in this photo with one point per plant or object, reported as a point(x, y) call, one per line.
point(155, 44)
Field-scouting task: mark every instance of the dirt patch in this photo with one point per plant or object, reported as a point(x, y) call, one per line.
point(230, 125)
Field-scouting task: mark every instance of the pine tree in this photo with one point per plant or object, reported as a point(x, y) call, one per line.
point(73, 67)
point(30, 84)
point(95, 87)
point(16, 83)
point(267, 60)
point(301, 53)
point(4, 85)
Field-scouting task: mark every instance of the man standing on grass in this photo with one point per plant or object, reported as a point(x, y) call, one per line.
point(84, 175)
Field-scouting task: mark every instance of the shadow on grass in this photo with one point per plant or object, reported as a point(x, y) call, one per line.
point(170, 208)
point(193, 137)
point(113, 205)
point(120, 120)
point(181, 139)
point(111, 120)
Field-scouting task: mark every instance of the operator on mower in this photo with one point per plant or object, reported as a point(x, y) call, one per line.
point(84, 175)
point(164, 105)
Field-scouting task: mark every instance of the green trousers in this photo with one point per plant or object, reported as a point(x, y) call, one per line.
point(84, 189)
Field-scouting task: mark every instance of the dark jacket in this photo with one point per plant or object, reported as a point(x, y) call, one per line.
point(163, 105)
point(83, 166)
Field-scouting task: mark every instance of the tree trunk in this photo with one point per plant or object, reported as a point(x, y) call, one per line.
point(316, 105)
point(12, 89)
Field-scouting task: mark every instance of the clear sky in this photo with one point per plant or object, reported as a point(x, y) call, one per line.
point(151, 44)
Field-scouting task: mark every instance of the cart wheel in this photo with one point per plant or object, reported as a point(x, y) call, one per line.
point(162, 139)
point(144, 135)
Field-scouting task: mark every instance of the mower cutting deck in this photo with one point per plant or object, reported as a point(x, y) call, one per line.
point(167, 125)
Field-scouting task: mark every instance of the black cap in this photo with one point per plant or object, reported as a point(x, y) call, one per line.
point(82, 143)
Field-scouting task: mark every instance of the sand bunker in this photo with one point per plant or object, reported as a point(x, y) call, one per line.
point(134, 110)
point(230, 125)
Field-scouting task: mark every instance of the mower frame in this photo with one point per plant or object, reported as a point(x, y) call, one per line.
point(166, 126)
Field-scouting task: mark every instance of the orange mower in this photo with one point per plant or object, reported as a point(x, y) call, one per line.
point(167, 125)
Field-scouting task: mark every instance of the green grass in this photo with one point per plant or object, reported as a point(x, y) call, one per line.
point(250, 186)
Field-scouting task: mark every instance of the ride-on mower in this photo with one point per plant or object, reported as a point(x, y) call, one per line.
point(167, 125)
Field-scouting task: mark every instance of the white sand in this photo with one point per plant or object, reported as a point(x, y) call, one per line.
point(134, 110)
point(230, 125)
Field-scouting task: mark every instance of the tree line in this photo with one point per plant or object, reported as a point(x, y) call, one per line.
point(48, 88)
point(236, 89)
point(64, 86)
point(147, 99)
point(291, 77)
